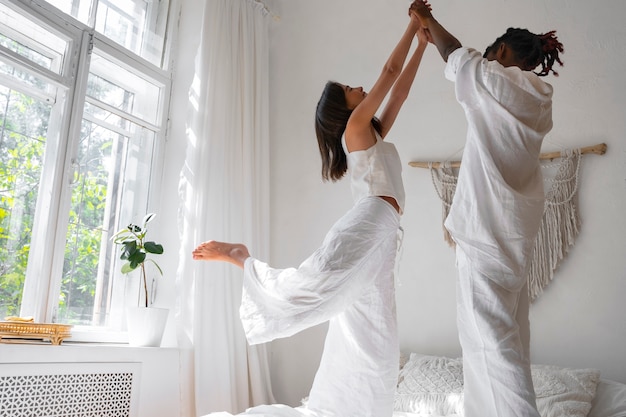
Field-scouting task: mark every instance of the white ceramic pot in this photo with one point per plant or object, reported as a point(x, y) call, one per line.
point(146, 325)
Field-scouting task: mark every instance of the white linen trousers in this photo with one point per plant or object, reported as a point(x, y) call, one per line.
point(349, 282)
point(494, 332)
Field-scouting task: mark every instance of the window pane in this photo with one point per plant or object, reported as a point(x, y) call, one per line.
point(12, 76)
point(111, 185)
point(137, 25)
point(22, 142)
point(123, 89)
point(112, 180)
point(79, 9)
point(31, 41)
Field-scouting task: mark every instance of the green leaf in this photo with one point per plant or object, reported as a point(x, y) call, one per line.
point(129, 249)
point(120, 235)
point(153, 247)
point(147, 218)
point(136, 258)
point(126, 268)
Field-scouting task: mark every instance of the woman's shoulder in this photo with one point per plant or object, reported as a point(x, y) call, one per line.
point(359, 139)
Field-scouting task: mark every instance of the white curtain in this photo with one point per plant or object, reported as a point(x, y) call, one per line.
point(224, 189)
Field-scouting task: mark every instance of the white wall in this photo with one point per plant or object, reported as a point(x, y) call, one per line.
point(579, 320)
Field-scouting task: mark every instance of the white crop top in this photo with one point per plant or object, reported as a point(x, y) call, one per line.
point(376, 171)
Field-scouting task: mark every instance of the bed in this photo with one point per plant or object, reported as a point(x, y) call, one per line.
point(432, 386)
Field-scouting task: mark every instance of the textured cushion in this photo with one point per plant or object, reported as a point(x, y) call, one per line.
point(430, 385)
point(434, 385)
point(564, 392)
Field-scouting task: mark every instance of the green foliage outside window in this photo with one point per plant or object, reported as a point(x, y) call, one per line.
point(22, 144)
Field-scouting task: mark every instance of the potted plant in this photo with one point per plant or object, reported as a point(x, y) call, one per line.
point(145, 324)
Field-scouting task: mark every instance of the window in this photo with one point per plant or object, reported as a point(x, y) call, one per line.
point(137, 25)
point(83, 108)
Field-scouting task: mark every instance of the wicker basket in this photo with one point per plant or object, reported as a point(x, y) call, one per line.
point(11, 331)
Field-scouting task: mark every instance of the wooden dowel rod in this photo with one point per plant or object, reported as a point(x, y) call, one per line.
point(420, 164)
point(599, 149)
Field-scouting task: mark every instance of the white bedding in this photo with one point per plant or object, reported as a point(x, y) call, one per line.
point(432, 386)
point(608, 397)
point(281, 410)
point(610, 400)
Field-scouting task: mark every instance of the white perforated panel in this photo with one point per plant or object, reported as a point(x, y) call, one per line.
point(92, 390)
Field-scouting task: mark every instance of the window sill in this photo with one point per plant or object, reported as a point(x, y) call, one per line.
point(83, 352)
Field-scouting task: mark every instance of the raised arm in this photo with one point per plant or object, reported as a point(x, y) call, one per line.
point(402, 86)
point(358, 130)
point(445, 42)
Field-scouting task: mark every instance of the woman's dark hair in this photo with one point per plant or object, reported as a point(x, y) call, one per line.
point(532, 49)
point(331, 118)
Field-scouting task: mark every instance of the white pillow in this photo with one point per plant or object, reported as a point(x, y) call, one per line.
point(430, 384)
point(610, 400)
point(564, 392)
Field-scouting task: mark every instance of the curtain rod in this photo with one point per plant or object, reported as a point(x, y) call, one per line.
point(599, 149)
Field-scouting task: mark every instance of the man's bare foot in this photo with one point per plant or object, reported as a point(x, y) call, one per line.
point(235, 253)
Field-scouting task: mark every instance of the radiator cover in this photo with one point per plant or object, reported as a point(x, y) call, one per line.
point(69, 389)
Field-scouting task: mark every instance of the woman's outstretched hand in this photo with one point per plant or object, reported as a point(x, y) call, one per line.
point(423, 35)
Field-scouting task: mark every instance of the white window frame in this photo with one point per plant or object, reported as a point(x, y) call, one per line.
point(45, 266)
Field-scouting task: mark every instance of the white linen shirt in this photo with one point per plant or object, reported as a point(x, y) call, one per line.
point(499, 200)
point(376, 171)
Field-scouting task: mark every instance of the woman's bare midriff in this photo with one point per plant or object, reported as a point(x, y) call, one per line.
point(391, 201)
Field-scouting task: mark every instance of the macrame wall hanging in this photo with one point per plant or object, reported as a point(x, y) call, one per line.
point(560, 223)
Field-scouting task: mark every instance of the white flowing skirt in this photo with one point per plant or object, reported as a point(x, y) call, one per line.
point(349, 282)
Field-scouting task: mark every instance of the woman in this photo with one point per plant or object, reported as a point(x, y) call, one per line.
point(497, 208)
point(348, 281)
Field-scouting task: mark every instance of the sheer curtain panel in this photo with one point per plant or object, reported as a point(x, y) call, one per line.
point(224, 189)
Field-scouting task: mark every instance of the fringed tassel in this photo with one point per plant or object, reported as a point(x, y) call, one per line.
point(444, 180)
point(559, 226)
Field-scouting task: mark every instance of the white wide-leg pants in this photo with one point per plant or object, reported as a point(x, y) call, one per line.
point(349, 282)
point(494, 334)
